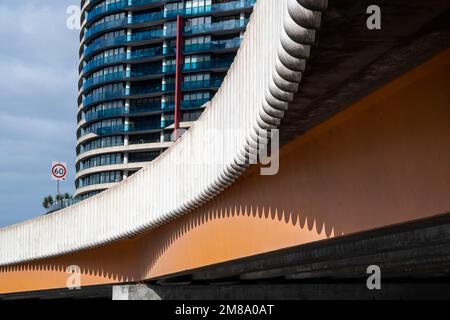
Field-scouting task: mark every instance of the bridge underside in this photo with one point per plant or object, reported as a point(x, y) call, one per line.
point(383, 160)
point(413, 256)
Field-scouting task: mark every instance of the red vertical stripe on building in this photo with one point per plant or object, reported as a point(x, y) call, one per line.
point(178, 74)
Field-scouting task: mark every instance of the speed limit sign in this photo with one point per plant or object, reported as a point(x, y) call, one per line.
point(59, 170)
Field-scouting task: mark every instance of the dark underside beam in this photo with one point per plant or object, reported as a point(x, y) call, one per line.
point(350, 61)
point(414, 259)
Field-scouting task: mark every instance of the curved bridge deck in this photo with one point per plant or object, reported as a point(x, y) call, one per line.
point(357, 155)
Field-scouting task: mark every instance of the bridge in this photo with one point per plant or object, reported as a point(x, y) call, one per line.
point(363, 119)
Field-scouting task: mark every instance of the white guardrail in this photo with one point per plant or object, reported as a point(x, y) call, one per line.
point(253, 97)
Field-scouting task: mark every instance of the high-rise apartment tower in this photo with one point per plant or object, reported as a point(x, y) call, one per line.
point(146, 68)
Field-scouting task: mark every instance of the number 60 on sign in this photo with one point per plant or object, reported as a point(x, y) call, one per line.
point(59, 170)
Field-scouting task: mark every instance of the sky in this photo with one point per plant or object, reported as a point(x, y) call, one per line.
point(38, 103)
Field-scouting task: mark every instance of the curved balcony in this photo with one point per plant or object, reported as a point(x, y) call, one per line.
point(193, 104)
point(132, 147)
point(105, 26)
point(234, 5)
point(127, 128)
point(160, 34)
point(104, 96)
point(120, 94)
point(213, 27)
point(154, 71)
point(148, 17)
point(159, 16)
point(145, 72)
point(104, 61)
point(202, 84)
point(151, 52)
point(96, 188)
point(124, 4)
point(97, 45)
point(135, 55)
point(108, 8)
point(124, 22)
point(97, 162)
point(117, 112)
point(213, 45)
point(148, 35)
point(137, 91)
point(210, 64)
point(100, 181)
point(91, 82)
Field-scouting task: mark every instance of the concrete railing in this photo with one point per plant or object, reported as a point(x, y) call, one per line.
point(205, 160)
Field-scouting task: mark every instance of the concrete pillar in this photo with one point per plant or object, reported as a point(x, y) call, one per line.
point(165, 46)
point(128, 88)
point(128, 69)
point(241, 20)
point(129, 49)
point(134, 292)
point(126, 140)
point(163, 119)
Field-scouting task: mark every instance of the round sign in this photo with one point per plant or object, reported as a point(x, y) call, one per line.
point(59, 171)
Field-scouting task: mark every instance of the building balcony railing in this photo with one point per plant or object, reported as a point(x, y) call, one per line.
point(138, 54)
point(162, 33)
point(169, 68)
point(147, 35)
point(134, 91)
point(116, 76)
point(202, 84)
point(104, 61)
point(213, 45)
point(105, 26)
point(99, 44)
point(220, 7)
point(117, 112)
point(192, 104)
point(185, 104)
point(148, 17)
point(143, 72)
point(151, 52)
point(154, 70)
point(106, 8)
point(233, 5)
point(209, 64)
point(157, 16)
point(99, 97)
point(218, 26)
point(116, 6)
point(142, 2)
point(166, 123)
point(85, 183)
point(136, 127)
point(126, 128)
point(87, 164)
point(155, 89)
point(61, 204)
point(103, 43)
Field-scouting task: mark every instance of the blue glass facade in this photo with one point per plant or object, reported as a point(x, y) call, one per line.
point(127, 77)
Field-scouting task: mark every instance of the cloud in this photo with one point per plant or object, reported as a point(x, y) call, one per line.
point(38, 103)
